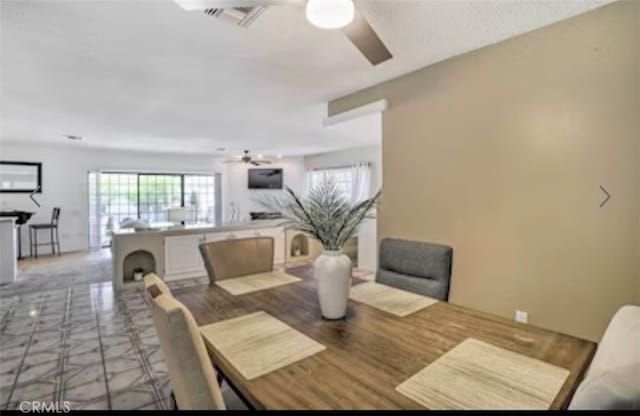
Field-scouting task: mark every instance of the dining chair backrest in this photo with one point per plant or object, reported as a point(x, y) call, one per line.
point(613, 379)
point(416, 266)
point(227, 259)
point(161, 287)
point(191, 372)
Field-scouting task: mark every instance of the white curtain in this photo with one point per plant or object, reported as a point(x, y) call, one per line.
point(309, 181)
point(354, 181)
point(361, 182)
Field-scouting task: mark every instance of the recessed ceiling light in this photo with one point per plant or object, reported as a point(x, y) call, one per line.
point(279, 156)
point(73, 137)
point(260, 156)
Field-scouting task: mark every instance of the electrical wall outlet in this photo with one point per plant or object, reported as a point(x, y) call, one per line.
point(522, 316)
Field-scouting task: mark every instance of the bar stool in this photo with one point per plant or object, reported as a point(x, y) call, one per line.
point(53, 227)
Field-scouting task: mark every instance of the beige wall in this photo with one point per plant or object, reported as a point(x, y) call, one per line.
point(500, 153)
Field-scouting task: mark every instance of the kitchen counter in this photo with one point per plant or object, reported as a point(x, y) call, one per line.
point(168, 230)
point(172, 252)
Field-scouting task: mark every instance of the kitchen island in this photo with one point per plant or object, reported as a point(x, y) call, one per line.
point(172, 252)
point(8, 253)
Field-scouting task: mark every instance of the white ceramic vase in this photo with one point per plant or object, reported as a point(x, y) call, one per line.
point(332, 271)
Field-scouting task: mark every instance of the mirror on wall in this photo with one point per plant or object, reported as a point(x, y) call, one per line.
point(20, 177)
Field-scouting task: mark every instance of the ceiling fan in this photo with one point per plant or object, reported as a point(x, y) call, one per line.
point(326, 14)
point(246, 159)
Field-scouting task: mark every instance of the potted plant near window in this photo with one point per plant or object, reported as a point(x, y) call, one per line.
point(326, 215)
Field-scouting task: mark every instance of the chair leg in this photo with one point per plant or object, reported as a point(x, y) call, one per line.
point(173, 399)
point(58, 241)
point(53, 246)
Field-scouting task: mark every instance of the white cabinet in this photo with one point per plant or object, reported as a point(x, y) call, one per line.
point(278, 243)
point(8, 254)
point(217, 236)
point(182, 257)
point(368, 246)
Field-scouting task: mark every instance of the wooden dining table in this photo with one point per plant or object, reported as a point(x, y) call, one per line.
point(370, 352)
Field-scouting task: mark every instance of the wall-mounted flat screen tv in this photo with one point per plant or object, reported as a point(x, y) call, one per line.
point(265, 178)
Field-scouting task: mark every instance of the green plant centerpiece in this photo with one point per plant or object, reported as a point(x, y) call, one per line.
point(326, 215)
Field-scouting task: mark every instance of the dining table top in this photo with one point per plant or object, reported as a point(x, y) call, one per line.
point(370, 352)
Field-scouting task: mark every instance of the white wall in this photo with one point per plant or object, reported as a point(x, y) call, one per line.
point(64, 177)
point(371, 154)
point(235, 185)
point(65, 168)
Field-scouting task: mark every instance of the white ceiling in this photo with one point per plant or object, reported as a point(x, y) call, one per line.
point(148, 75)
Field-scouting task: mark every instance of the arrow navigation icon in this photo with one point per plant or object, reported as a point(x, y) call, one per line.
point(607, 198)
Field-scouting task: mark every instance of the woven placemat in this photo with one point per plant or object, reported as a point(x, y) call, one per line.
point(480, 376)
point(258, 343)
point(255, 282)
point(389, 299)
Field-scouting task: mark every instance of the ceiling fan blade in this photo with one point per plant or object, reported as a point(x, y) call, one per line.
point(264, 162)
point(221, 4)
point(255, 163)
point(362, 35)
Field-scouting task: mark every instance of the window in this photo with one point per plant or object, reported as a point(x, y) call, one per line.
point(114, 196)
point(199, 197)
point(118, 197)
point(343, 178)
point(157, 194)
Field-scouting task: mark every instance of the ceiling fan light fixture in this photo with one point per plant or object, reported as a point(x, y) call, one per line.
point(330, 14)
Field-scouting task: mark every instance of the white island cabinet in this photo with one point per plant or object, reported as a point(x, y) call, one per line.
point(173, 252)
point(182, 257)
point(8, 251)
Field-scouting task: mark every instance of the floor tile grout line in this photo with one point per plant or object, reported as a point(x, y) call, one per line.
point(26, 350)
point(145, 364)
point(104, 363)
point(5, 317)
point(66, 328)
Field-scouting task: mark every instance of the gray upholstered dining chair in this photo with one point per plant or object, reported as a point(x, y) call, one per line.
point(415, 266)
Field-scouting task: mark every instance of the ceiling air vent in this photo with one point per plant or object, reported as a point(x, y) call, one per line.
point(241, 16)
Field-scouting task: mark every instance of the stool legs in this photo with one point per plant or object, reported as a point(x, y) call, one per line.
point(58, 242)
point(54, 241)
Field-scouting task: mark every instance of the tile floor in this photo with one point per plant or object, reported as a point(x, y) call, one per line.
point(66, 336)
